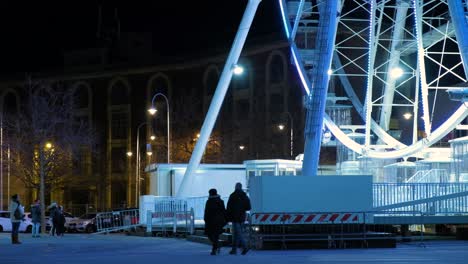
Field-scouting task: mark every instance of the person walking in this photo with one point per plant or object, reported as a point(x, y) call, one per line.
point(237, 206)
point(36, 217)
point(16, 216)
point(215, 219)
point(52, 211)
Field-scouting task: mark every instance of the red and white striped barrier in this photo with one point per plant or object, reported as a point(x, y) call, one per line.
point(306, 218)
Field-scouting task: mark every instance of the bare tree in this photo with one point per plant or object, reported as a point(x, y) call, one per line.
point(46, 139)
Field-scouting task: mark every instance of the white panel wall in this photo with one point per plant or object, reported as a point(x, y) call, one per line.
point(311, 194)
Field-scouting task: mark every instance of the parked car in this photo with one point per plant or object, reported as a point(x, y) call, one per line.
point(5, 223)
point(68, 217)
point(85, 223)
point(29, 216)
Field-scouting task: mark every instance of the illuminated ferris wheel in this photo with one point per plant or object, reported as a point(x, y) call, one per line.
point(387, 55)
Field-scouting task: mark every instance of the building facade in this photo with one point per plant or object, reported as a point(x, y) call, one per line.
point(114, 100)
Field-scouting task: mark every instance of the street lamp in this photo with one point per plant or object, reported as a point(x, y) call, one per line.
point(241, 147)
point(153, 137)
point(137, 161)
point(237, 69)
point(153, 111)
point(291, 140)
point(129, 153)
point(396, 72)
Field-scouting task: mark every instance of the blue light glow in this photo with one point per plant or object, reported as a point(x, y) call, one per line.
point(285, 21)
point(303, 80)
point(293, 51)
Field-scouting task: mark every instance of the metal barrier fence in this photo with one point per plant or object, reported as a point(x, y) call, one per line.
point(198, 205)
point(430, 198)
point(337, 230)
point(169, 204)
point(117, 220)
point(173, 222)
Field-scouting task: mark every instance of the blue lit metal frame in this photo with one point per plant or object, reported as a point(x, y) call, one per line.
point(401, 150)
point(294, 51)
point(316, 117)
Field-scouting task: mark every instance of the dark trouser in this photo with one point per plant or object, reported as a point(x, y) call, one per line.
point(238, 236)
point(15, 228)
point(214, 238)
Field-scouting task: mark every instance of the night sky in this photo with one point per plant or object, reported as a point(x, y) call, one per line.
point(35, 34)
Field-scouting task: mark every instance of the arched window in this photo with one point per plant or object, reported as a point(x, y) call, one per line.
point(10, 104)
point(160, 84)
point(276, 68)
point(242, 81)
point(211, 80)
point(119, 94)
point(81, 96)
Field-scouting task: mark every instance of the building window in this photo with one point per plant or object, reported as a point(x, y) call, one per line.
point(10, 104)
point(276, 69)
point(159, 85)
point(119, 94)
point(119, 125)
point(81, 96)
point(242, 82)
point(118, 158)
point(276, 104)
point(211, 81)
point(243, 109)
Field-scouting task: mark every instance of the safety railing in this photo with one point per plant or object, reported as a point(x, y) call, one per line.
point(430, 176)
point(116, 220)
point(430, 198)
point(198, 205)
point(335, 229)
point(170, 222)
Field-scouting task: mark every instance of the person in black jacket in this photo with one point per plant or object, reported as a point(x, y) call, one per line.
point(237, 206)
point(215, 219)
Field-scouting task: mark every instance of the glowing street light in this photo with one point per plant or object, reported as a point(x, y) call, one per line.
point(48, 145)
point(407, 116)
point(149, 150)
point(129, 153)
point(241, 147)
point(152, 110)
point(291, 139)
point(396, 73)
point(238, 70)
point(153, 137)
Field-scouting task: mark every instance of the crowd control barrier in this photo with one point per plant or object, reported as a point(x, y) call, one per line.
point(116, 220)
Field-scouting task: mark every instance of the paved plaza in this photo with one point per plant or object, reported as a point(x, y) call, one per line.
point(118, 248)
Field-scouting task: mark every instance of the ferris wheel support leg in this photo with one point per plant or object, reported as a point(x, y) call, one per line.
point(458, 13)
point(218, 97)
point(329, 13)
point(393, 62)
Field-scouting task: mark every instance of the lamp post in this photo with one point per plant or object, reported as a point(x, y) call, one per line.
point(291, 140)
point(152, 111)
point(137, 161)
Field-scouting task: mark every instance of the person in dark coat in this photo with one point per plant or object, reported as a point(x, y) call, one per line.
point(215, 219)
point(52, 211)
point(59, 221)
point(237, 206)
point(36, 218)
